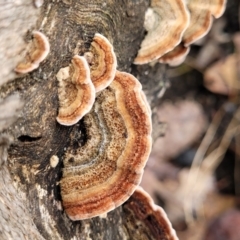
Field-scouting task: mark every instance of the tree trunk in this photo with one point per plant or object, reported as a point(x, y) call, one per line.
point(30, 201)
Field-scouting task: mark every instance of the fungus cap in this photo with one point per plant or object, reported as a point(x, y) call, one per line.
point(176, 56)
point(201, 12)
point(102, 61)
point(200, 24)
point(76, 91)
point(142, 213)
point(218, 7)
point(165, 23)
point(38, 51)
point(102, 174)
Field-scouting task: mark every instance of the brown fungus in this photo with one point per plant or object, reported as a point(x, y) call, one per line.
point(144, 218)
point(165, 23)
point(218, 7)
point(176, 56)
point(102, 61)
point(76, 91)
point(105, 171)
point(170, 32)
point(38, 51)
point(201, 12)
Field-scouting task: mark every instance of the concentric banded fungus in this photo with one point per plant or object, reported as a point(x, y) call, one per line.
point(217, 7)
point(176, 56)
point(165, 22)
point(201, 12)
point(103, 173)
point(37, 53)
point(144, 218)
point(102, 61)
point(76, 91)
point(200, 24)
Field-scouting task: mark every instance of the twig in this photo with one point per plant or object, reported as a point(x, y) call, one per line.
point(210, 163)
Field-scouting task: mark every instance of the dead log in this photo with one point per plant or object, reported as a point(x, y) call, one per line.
point(30, 201)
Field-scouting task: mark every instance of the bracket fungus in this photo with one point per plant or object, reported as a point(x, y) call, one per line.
point(217, 7)
point(173, 25)
point(102, 61)
point(143, 217)
point(76, 91)
point(103, 173)
point(200, 24)
point(201, 12)
point(38, 51)
point(176, 56)
point(165, 23)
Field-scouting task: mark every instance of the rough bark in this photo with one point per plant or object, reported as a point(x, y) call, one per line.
point(17, 17)
point(29, 192)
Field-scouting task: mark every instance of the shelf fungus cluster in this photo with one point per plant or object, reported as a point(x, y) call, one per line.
point(165, 23)
point(173, 25)
point(103, 173)
point(87, 75)
point(145, 220)
point(37, 52)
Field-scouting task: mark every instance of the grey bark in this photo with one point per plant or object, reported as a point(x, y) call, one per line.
point(30, 201)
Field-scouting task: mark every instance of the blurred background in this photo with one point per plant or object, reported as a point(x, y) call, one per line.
point(194, 168)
